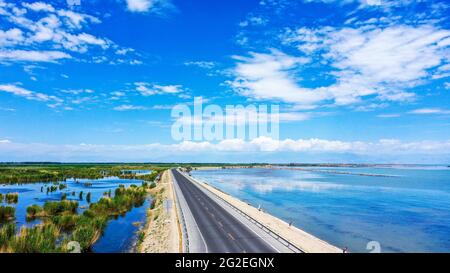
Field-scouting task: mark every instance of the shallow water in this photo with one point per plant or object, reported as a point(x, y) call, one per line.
point(406, 211)
point(120, 234)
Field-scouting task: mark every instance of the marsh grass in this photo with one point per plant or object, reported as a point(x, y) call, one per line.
point(12, 198)
point(62, 224)
point(62, 207)
point(7, 213)
point(33, 211)
point(38, 239)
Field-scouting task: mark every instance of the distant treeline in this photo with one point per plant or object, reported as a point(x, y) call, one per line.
point(31, 173)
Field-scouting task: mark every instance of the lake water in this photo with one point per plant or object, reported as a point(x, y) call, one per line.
point(120, 234)
point(407, 210)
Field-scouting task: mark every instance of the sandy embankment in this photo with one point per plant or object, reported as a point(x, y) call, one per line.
point(161, 235)
point(303, 240)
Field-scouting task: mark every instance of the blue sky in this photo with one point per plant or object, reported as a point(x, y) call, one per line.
point(356, 80)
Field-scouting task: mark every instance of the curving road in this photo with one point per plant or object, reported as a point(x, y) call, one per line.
point(220, 232)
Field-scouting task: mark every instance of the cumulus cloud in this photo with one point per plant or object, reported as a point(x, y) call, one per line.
point(384, 63)
point(269, 76)
point(41, 32)
point(11, 37)
point(39, 6)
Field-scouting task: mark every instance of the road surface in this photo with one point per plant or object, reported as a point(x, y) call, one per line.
point(212, 226)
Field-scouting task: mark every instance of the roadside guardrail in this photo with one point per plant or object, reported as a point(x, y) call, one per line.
point(185, 236)
point(267, 230)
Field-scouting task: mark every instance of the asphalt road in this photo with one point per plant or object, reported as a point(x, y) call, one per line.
point(221, 232)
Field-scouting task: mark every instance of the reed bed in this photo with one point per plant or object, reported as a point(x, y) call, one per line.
point(7, 213)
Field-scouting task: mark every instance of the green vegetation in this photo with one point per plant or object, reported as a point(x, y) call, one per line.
point(7, 213)
point(59, 208)
point(62, 224)
point(62, 221)
point(123, 201)
point(15, 173)
point(7, 231)
point(12, 198)
point(38, 239)
point(33, 211)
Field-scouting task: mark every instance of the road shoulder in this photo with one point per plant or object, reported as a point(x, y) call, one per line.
point(162, 234)
point(301, 239)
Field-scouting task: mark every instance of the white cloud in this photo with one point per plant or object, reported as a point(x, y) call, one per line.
point(32, 55)
point(22, 92)
point(201, 64)
point(40, 27)
point(147, 89)
point(39, 6)
point(430, 111)
point(127, 107)
point(140, 5)
point(11, 37)
point(118, 94)
point(270, 76)
point(78, 91)
point(260, 146)
point(4, 141)
point(146, 6)
point(124, 51)
point(384, 4)
point(388, 115)
point(254, 21)
point(7, 109)
point(379, 62)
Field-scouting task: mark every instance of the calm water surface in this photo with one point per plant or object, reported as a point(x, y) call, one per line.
point(120, 234)
point(408, 211)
